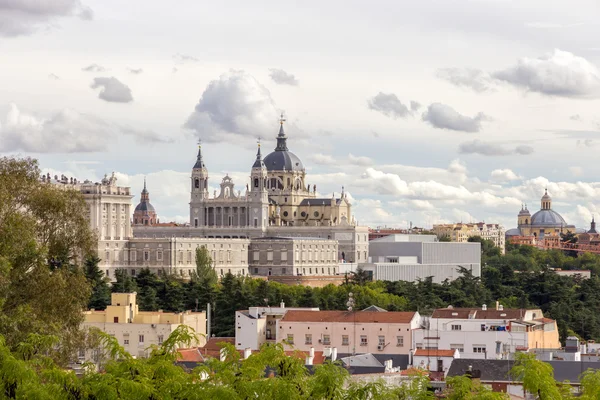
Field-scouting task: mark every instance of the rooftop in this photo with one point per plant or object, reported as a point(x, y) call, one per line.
point(349, 316)
point(434, 353)
point(478, 313)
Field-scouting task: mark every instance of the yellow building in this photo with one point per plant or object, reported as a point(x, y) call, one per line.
point(462, 232)
point(137, 330)
point(545, 222)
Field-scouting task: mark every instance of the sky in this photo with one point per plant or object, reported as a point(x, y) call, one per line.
point(425, 112)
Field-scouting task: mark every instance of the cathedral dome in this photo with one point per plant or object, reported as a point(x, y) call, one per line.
point(548, 218)
point(282, 159)
point(144, 207)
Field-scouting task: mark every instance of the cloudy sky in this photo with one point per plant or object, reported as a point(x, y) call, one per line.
point(426, 111)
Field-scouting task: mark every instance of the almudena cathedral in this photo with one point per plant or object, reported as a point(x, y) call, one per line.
point(276, 225)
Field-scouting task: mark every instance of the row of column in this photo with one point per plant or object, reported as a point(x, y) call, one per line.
point(238, 215)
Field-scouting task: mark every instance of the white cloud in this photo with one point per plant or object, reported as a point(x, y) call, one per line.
point(322, 159)
point(443, 116)
point(474, 79)
point(66, 131)
point(185, 58)
point(504, 175)
point(492, 149)
point(235, 106)
point(281, 77)
point(389, 105)
point(576, 171)
point(361, 161)
point(93, 68)
point(112, 90)
point(559, 73)
point(24, 17)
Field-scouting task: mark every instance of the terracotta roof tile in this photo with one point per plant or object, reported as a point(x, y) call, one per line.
point(190, 355)
point(348, 316)
point(434, 353)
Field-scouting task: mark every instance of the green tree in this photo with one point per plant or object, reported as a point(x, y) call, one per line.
point(124, 283)
point(44, 236)
point(537, 377)
point(204, 266)
point(445, 238)
point(100, 296)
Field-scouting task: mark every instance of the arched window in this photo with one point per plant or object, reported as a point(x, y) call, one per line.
point(526, 221)
point(255, 182)
point(196, 183)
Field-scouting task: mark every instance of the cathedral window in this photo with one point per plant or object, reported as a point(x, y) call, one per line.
point(255, 182)
point(316, 214)
point(285, 213)
point(196, 183)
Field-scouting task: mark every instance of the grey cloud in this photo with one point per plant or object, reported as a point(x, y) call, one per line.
point(24, 17)
point(94, 68)
point(185, 58)
point(492, 149)
point(415, 106)
point(389, 105)
point(575, 117)
point(135, 71)
point(474, 79)
point(281, 77)
point(53, 76)
point(523, 149)
point(443, 116)
point(556, 74)
point(66, 131)
point(235, 106)
point(113, 90)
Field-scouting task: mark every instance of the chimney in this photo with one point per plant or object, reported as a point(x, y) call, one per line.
point(309, 360)
point(497, 305)
point(501, 307)
point(334, 354)
point(247, 353)
point(484, 307)
point(312, 352)
point(282, 304)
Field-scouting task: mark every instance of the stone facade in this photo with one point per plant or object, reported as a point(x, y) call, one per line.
point(177, 256)
point(293, 256)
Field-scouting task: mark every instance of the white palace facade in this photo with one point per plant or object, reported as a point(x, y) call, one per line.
point(276, 204)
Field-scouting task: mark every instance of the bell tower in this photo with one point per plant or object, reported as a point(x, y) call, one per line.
point(258, 195)
point(199, 190)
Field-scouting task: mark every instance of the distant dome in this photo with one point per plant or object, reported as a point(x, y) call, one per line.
point(513, 232)
point(145, 206)
point(524, 211)
point(548, 218)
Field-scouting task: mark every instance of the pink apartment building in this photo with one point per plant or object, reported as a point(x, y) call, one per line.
point(385, 334)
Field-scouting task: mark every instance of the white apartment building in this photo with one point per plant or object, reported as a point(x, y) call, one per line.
point(487, 333)
point(461, 232)
point(137, 330)
point(258, 325)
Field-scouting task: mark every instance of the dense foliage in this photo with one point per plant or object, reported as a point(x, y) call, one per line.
point(44, 235)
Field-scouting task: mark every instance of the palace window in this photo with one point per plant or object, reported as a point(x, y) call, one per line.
point(345, 341)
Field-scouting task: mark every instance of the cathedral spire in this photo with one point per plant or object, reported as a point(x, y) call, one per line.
point(199, 161)
point(259, 162)
point(281, 137)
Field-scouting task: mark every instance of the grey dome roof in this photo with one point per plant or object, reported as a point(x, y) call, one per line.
point(513, 232)
point(283, 159)
point(548, 218)
point(145, 206)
